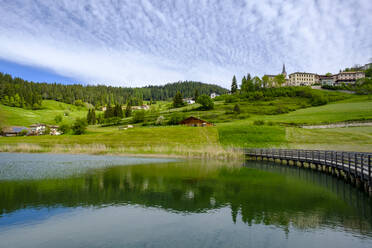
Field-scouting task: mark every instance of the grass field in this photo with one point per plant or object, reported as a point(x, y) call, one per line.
point(24, 117)
point(330, 113)
point(230, 130)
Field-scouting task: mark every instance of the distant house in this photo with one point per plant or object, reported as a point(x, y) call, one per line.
point(326, 80)
point(54, 130)
point(366, 66)
point(189, 100)
point(195, 122)
point(37, 129)
point(214, 95)
point(13, 131)
point(143, 107)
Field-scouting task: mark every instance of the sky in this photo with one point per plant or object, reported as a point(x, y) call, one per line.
point(150, 42)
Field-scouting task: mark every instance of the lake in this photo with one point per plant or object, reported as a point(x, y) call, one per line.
point(49, 200)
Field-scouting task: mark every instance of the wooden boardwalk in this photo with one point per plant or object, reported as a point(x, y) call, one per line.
point(355, 167)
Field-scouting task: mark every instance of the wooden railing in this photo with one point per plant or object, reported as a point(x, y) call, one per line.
point(351, 164)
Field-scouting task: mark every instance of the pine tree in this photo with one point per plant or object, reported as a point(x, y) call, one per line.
point(177, 100)
point(89, 117)
point(196, 94)
point(234, 85)
point(128, 110)
point(93, 117)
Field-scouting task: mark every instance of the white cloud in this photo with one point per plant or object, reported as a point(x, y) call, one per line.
point(133, 43)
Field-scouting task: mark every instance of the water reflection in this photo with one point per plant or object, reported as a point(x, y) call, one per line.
point(257, 194)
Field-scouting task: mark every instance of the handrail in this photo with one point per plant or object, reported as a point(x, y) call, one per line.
point(354, 164)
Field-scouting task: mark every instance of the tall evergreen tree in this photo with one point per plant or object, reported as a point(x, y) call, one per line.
point(234, 85)
point(128, 110)
point(89, 116)
point(93, 117)
point(177, 100)
point(196, 94)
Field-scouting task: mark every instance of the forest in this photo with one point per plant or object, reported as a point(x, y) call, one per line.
point(17, 92)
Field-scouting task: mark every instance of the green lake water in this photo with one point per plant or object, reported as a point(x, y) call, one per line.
point(51, 200)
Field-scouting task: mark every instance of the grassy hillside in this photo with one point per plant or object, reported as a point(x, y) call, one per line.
point(231, 130)
point(330, 113)
point(50, 109)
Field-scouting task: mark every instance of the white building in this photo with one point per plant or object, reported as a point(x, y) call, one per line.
point(303, 79)
point(214, 95)
point(348, 77)
point(37, 129)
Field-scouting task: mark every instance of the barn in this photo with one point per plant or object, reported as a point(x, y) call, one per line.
point(195, 122)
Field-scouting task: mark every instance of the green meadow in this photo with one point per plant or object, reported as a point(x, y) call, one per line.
point(257, 125)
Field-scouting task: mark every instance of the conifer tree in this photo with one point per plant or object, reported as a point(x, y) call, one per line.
point(196, 95)
point(128, 110)
point(177, 100)
point(234, 85)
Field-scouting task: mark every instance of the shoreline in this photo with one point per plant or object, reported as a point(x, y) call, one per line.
point(209, 152)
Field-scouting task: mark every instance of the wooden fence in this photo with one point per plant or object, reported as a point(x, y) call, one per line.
point(353, 166)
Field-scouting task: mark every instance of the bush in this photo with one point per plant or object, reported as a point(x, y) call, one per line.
point(231, 99)
point(64, 128)
point(139, 116)
point(79, 126)
point(58, 118)
point(79, 103)
point(23, 133)
point(259, 122)
point(318, 100)
point(237, 109)
point(281, 110)
point(160, 121)
point(206, 102)
point(176, 118)
point(112, 121)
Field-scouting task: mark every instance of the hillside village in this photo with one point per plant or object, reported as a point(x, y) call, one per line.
point(346, 77)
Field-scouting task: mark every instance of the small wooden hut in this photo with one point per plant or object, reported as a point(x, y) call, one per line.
point(195, 122)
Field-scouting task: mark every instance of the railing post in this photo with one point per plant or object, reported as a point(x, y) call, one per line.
point(355, 165)
point(369, 170)
point(362, 165)
point(348, 154)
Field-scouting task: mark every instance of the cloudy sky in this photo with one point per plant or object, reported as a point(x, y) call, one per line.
point(141, 42)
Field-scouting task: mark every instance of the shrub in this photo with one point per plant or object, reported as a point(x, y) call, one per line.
point(58, 118)
point(64, 128)
point(259, 122)
point(79, 126)
point(112, 121)
point(160, 121)
point(318, 100)
point(79, 103)
point(230, 99)
point(23, 132)
point(237, 109)
point(205, 102)
point(176, 118)
point(281, 110)
point(139, 116)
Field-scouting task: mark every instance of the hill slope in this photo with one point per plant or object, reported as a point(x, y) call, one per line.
point(12, 116)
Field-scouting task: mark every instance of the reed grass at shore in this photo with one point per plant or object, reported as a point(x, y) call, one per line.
point(179, 151)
